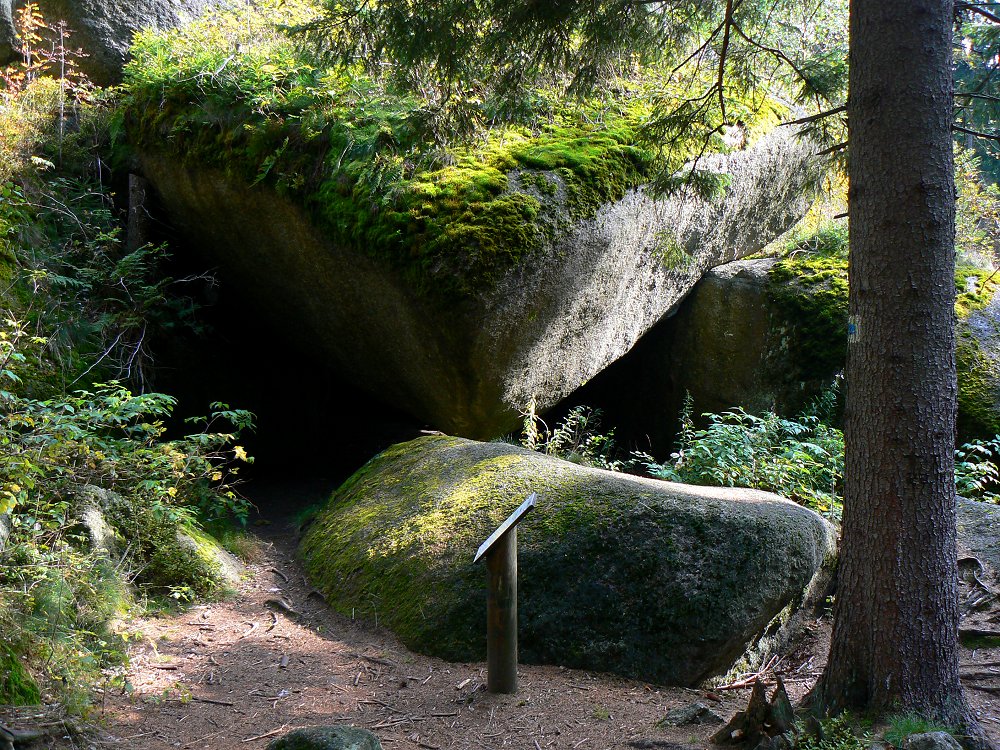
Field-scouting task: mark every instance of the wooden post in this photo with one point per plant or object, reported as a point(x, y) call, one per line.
point(501, 615)
point(138, 231)
point(500, 551)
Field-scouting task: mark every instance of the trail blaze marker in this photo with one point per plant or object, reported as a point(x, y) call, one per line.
point(500, 551)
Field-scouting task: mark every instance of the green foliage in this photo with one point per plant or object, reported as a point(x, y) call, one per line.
point(976, 87)
point(100, 452)
point(838, 733)
point(720, 69)
point(98, 502)
point(977, 214)
point(577, 438)
point(901, 726)
point(977, 476)
point(801, 459)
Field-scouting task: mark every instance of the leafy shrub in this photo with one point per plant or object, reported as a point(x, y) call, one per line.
point(103, 447)
point(977, 214)
point(576, 438)
point(76, 306)
point(838, 733)
point(801, 459)
point(977, 476)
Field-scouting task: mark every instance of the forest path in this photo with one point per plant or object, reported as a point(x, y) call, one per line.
point(240, 672)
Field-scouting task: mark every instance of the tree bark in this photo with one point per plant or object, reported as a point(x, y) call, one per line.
point(895, 633)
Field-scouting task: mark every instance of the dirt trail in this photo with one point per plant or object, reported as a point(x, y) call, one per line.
point(238, 673)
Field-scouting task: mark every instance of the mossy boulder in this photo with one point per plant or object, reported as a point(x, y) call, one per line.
point(461, 273)
point(771, 334)
point(617, 573)
point(978, 360)
point(170, 555)
point(327, 738)
point(530, 331)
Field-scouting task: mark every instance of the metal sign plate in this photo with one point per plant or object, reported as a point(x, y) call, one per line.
point(511, 522)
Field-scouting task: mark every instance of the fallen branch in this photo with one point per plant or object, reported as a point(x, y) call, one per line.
point(283, 606)
point(978, 633)
point(283, 578)
point(213, 701)
point(986, 689)
point(373, 659)
point(268, 734)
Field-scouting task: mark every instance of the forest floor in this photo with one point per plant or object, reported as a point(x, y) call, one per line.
point(239, 673)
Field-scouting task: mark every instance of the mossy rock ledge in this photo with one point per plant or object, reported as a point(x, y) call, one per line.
point(648, 579)
point(469, 361)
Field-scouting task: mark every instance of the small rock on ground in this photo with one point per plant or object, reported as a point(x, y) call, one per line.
point(327, 738)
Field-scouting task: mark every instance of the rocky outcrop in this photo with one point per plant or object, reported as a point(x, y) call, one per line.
point(660, 581)
point(104, 28)
point(470, 364)
point(769, 334)
point(730, 346)
point(168, 553)
point(7, 33)
point(979, 535)
point(978, 361)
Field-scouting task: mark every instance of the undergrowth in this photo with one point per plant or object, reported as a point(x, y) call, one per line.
point(800, 458)
point(100, 509)
point(901, 726)
point(841, 732)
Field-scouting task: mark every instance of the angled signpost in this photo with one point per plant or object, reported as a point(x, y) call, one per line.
point(500, 551)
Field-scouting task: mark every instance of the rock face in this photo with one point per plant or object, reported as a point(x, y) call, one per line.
point(7, 33)
point(931, 741)
point(551, 323)
point(979, 534)
point(730, 346)
point(766, 334)
point(104, 28)
point(660, 581)
point(978, 360)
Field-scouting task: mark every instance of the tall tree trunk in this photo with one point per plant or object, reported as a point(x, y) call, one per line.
point(895, 634)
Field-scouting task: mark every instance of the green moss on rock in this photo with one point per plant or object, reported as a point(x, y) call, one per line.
point(617, 573)
point(810, 295)
point(327, 738)
point(17, 688)
point(360, 157)
point(809, 292)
